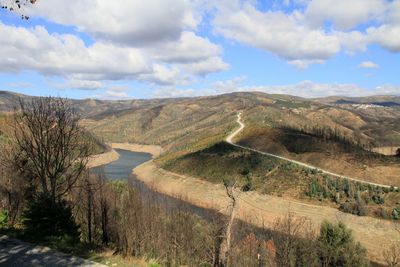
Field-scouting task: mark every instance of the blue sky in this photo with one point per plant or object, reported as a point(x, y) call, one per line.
point(171, 48)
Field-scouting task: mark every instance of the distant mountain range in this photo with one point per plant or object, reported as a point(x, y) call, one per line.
point(184, 123)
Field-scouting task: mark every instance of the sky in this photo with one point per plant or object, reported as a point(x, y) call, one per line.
point(173, 48)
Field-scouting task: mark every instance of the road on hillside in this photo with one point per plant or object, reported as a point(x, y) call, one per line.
point(17, 253)
point(237, 131)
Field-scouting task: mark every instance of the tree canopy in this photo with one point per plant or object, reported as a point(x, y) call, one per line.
point(17, 5)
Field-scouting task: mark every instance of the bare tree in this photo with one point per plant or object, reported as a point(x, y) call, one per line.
point(50, 144)
point(13, 188)
point(17, 5)
point(226, 244)
point(392, 254)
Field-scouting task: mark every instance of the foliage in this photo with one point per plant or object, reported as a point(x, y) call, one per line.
point(354, 207)
point(3, 219)
point(307, 138)
point(43, 217)
point(396, 213)
point(338, 246)
point(352, 197)
point(223, 161)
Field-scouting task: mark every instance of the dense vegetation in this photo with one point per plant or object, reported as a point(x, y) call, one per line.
point(357, 198)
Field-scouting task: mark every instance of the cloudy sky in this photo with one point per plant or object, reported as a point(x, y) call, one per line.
point(169, 48)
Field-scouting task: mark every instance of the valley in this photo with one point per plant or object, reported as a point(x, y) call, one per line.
point(313, 157)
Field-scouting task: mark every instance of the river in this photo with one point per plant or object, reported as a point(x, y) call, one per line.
point(121, 169)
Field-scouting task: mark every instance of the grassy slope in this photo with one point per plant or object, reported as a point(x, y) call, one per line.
point(334, 156)
point(223, 161)
point(252, 171)
point(180, 127)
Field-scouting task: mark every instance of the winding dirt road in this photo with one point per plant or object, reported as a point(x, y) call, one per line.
point(236, 132)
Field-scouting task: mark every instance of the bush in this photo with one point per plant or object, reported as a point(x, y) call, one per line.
point(356, 208)
point(3, 219)
point(378, 199)
point(396, 213)
point(382, 213)
point(44, 217)
point(337, 247)
point(248, 184)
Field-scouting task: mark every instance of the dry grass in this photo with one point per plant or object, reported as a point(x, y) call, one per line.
point(262, 210)
point(329, 156)
point(151, 149)
point(386, 150)
point(103, 159)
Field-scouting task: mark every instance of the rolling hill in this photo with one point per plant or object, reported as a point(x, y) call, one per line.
point(281, 124)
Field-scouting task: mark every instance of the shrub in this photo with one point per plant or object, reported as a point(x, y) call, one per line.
point(44, 217)
point(356, 208)
point(396, 213)
point(382, 213)
point(3, 219)
point(248, 185)
point(337, 247)
point(378, 199)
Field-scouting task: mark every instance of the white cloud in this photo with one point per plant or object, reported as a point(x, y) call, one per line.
point(276, 32)
point(67, 56)
point(152, 41)
point(174, 93)
point(77, 84)
point(188, 49)
point(387, 36)
point(202, 68)
point(230, 85)
point(164, 75)
point(116, 92)
point(64, 55)
point(133, 22)
point(353, 41)
point(387, 90)
point(344, 14)
point(368, 65)
point(307, 89)
point(303, 36)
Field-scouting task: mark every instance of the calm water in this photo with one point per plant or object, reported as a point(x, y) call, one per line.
point(121, 169)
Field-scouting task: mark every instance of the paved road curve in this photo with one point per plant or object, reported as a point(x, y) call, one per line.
point(236, 132)
point(17, 253)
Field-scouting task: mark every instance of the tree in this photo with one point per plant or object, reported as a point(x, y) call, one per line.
point(337, 247)
point(14, 5)
point(50, 145)
point(225, 250)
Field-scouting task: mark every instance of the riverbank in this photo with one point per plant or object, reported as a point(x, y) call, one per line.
point(155, 151)
point(103, 159)
point(263, 210)
point(112, 155)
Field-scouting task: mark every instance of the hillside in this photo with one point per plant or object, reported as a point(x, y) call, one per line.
point(188, 124)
